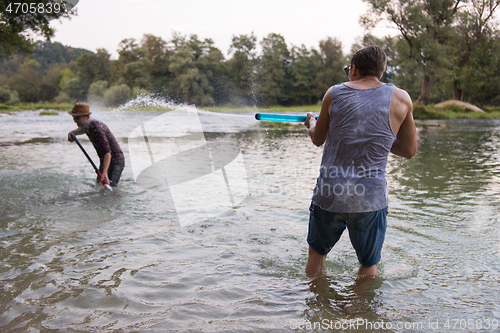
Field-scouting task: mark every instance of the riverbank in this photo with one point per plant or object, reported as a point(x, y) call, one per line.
point(5, 108)
point(421, 112)
point(424, 112)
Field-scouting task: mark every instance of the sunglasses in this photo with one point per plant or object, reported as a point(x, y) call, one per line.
point(346, 69)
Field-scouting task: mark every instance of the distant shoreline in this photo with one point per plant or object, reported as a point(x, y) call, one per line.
point(420, 112)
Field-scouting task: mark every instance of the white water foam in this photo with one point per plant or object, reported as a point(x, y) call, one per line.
point(155, 101)
point(152, 101)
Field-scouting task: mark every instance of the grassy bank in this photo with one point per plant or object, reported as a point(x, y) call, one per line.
point(5, 108)
point(453, 112)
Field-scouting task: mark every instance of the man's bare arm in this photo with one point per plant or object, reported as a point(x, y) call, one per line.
point(78, 131)
point(318, 129)
point(402, 121)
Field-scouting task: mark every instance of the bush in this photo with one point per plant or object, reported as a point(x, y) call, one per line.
point(139, 91)
point(427, 112)
point(48, 113)
point(4, 95)
point(14, 97)
point(73, 88)
point(117, 95)
point(64, 98)
point(96, 92)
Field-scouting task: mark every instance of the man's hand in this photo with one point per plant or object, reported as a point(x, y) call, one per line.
point(104, 178)
point(77, 131)
point(310, 118)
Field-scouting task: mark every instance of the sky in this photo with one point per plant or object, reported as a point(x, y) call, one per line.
point(105, 23)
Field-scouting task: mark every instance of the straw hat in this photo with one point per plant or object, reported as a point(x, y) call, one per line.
point(80, 109)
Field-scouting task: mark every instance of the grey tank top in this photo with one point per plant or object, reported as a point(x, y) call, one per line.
point(352, 173)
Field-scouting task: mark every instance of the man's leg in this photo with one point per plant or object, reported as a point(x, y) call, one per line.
point(114, 174)
point(368, 270)
point(367, 234)
point(315, 263)
point(325, 229)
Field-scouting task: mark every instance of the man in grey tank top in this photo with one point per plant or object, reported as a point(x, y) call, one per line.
point(360, 122)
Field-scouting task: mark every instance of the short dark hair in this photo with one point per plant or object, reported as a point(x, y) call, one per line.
point(370, 61)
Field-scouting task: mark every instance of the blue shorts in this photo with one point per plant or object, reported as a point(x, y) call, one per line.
point(366, 231)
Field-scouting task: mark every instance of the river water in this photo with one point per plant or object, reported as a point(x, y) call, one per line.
point(76, 258)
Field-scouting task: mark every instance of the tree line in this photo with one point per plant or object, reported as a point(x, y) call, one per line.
point(183, 69)
point(447, 49)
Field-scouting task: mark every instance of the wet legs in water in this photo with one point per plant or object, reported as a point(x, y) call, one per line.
point(316, 265)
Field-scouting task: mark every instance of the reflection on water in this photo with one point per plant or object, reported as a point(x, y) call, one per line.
point(74, 258)
point(342, 303)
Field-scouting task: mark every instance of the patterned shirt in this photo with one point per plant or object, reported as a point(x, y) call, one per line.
point(104, 142)
point(352, 175)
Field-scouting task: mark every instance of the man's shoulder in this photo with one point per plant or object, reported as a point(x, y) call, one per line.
point(95, 124)
point(401, 103)
point(401, 94)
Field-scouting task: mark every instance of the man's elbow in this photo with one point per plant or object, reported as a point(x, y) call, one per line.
point(409, 153)
point(404, 151)
point(317, 143)
point(315, 139)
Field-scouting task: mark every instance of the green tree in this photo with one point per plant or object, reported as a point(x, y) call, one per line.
point(117, 95)
point(425, 25)
point(93, 67)
point(211, 64)
point(479, 79)
point(14, 97)
point(28, 82)
point(408, 74)
point(305, 66)
point(128, 52)
point(50, 85)
point(96, 91)
point(4, 95)
point(67, 74)
point(135, 74)
point(157, 55)
point(333, 62)
point(192, 65)
point(475, 30)
point(64, 98)
point(74, 89)
point(212, 78)
point(10, 67)
point(132, 67)
point(48, 54)
point(241, 69)
point(273, 84)
point(16, 21)
point(188, 85)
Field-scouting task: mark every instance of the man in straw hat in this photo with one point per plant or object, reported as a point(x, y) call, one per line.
point(110, 154)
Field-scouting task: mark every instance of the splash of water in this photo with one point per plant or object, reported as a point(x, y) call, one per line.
point(148, 101)
point(155, 102)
